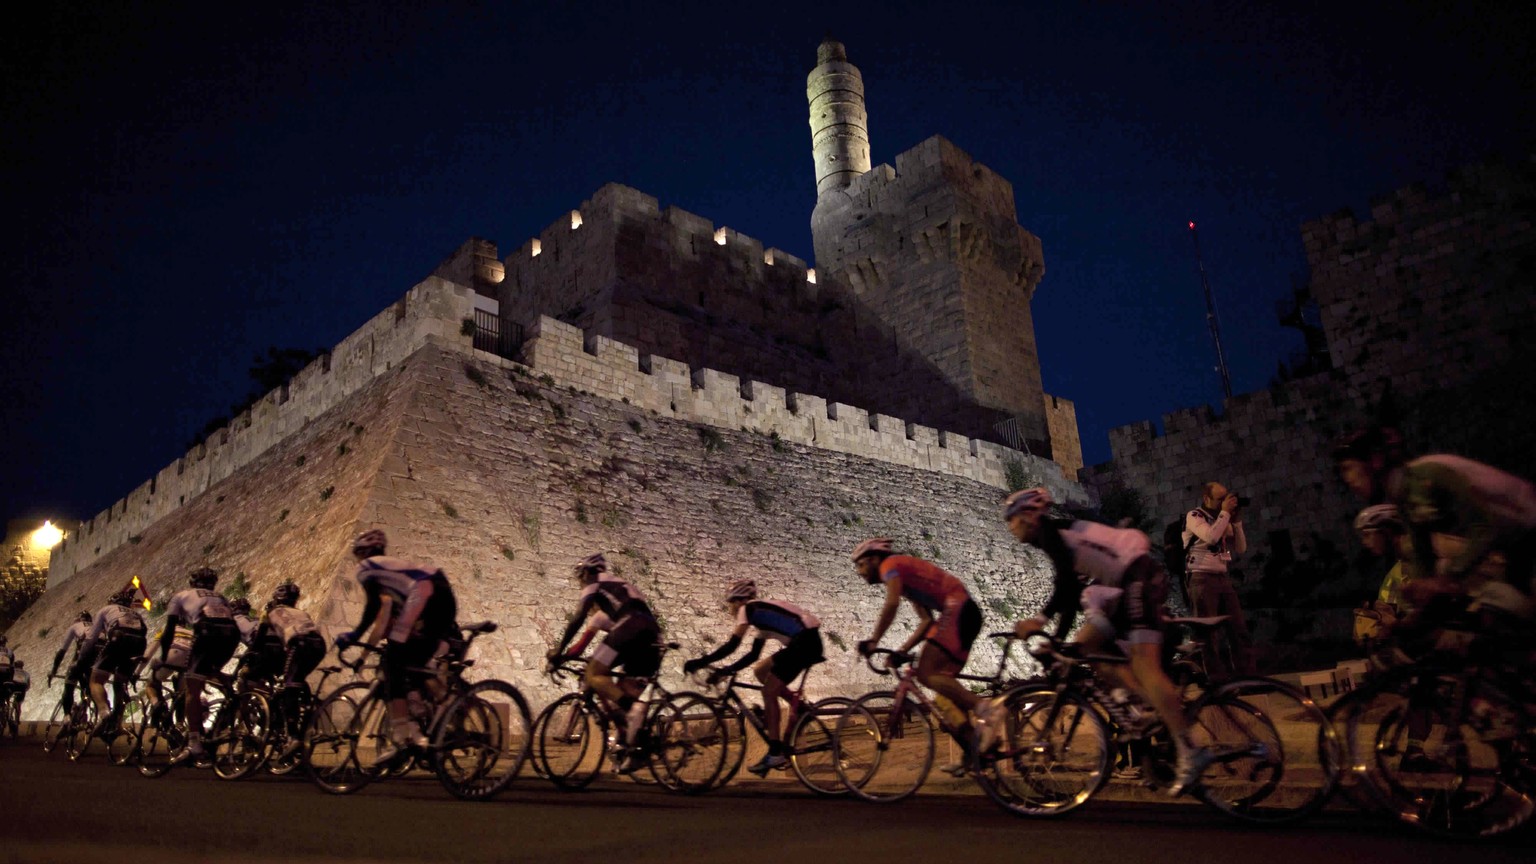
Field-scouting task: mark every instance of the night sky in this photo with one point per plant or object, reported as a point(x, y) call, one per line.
point(188, 185)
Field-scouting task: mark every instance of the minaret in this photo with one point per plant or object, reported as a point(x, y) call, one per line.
point(839, 125)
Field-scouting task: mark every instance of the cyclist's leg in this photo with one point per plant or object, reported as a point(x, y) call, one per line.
point(98, 688)
point(945, 650)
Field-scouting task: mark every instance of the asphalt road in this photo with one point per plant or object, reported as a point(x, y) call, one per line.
point(52, 810)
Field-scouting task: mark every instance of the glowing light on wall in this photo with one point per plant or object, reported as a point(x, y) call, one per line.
point(810, 275)
point(575, 219)
point(536, 248)
point(720, 236)
point(47, 536)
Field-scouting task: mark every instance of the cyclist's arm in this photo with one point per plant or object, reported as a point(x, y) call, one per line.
point(168, 635)
point(746, 659)
point(581, 644)
point(588, 601)
point(924, 621)
point(88, 642)
point(372, 603)
point(1440, 498)
point(1208, 532)
point(724, 650)
point(888, 612)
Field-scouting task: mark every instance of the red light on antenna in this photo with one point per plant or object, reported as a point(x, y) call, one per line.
point(1191, 226)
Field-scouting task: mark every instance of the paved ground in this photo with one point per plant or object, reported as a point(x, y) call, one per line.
point(52, 810)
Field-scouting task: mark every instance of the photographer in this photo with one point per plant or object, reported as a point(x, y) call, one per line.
point(1213, 533)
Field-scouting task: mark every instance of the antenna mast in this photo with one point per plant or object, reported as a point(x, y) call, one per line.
point(1210, 317)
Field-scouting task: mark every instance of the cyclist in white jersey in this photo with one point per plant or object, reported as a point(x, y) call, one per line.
point(799, 634)
point(619, 609)
point(214, 639)
point(1125, 599)
point(78, 666)
point(117, 639)
point(422, 614)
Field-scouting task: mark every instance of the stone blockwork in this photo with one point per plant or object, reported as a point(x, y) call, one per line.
point(435, 308)
point(671, 283)
point(505, 477)
point(935, 245)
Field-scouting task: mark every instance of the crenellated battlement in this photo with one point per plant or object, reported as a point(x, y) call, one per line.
point(434, 309)
point(612, 370)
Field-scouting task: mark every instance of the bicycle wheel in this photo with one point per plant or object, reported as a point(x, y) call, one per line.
point(160, 736)
point(812, 746)
point(330, 740)
point(482, 741)
point(56, 729)
point(1360, 782)
point(82, 723)
point(1054, 755)
point(285, 747)
point(1466, 779)
point(1294, 757)
point(687, 741)
point(884, 750)
point(240, 736)
point(738, 740)
point(570, 747)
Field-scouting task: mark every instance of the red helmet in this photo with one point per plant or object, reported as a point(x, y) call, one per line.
point(873, 546)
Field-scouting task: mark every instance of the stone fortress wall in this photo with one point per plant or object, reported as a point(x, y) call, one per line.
point(672, 283)
point(1423, 306)
point(435, 311)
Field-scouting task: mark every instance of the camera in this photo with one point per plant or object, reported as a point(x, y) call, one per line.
point(1244, 500)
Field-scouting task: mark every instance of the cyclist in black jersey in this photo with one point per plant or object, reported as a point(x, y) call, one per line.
point(796, 629)
point(619, 609)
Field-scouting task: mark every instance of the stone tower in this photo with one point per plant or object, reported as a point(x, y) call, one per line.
point(932, 247)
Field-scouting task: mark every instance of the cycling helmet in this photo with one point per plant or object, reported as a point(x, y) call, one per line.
point(240, 607)
point(370, 539)
point(1364, 444)
point(1379, 517)
point(285, 594)
point(204, 577)
point(21, 664)
point(592, 564)
point(84, 617)
point(1031, 501)
point(741, 591)
point(123, 597)
point(873, 546)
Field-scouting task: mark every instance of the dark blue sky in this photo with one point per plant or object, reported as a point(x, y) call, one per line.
point(189, 184)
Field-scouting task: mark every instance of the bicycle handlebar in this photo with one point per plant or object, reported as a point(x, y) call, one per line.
point(895, 659)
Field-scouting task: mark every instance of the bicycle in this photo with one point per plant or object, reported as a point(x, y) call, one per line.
point(478, 732)
point(683, 739)
point(1471, 775)
point(121, 732)
point(810, 742)
point(62, 719)
point(1057, 743)
point(890, 733)
point(163, 729)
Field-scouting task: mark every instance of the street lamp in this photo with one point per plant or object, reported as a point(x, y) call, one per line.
point(46, 537)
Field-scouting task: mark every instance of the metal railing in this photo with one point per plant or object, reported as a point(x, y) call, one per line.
point(497, 336)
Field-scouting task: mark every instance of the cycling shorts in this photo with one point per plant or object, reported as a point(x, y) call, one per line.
point(958, 625)
point(1135, 609)
point(631, 644)
point(213, 644)
point(304, 654)
point(120, 657)
point(803, 651)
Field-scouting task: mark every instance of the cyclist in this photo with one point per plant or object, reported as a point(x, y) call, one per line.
point(1382, 534)
point(421, 614)
point(798, 631)
point(21, 682)
point(290, 638)
point(1471, 527)
point(1125, 600)
point(76, 673)
point(619, 609)
point(7, 662)
point(932, 590)
point(164, 668)
point(214, 638)
point(116, 639)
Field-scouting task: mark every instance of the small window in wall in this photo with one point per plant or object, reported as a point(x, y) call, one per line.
point(575, 219)
point(535, 248)
point(719, 236)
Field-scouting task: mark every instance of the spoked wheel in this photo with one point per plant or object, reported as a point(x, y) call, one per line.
point(688, 743)
point(82, 724)
point(884, 751)
point(56, 729)
point(482, 740)
point(1464, 780)
point(1350, 714)
point(738, 740)
point(160, 736)
point(331, 740)
point(571, 746)
point(1055, 753)
point(812, 746)
point(240, 736)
